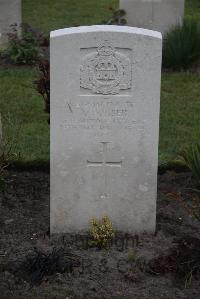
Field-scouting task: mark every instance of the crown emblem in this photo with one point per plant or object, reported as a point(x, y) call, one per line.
point(106, 49)
point(105, 72)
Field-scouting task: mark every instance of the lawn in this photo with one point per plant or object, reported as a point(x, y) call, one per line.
point(22, 107)
point(48, 15)
point(192, 8)
point(180, 113)
point(23, 115)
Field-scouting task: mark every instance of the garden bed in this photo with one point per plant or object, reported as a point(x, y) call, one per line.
point(33, 265)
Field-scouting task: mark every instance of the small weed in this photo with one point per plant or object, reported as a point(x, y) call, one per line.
point(118, 17)
point(101, 232)
point(191, 157)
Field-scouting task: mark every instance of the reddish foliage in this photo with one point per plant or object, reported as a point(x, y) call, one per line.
point(43, 83)
point(183, 260)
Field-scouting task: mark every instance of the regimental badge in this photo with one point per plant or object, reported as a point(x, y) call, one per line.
point(106, 72)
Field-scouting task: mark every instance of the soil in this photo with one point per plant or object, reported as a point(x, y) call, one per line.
point(33, 264)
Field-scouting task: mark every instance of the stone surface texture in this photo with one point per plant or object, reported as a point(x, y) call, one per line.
point(105, 98)
point(10, 13)
point(159, 15)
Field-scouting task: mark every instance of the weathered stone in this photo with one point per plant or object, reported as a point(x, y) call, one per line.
point(105, 96)
point(10, 14)
point(160, 15)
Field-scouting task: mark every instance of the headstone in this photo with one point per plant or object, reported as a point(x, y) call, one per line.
point(10, 13)
point(105, 96)
point(160, 15)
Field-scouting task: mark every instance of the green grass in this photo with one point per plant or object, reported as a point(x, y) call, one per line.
point(180, 113)
point(192, 9)
point(49, 15)
point(22, 111)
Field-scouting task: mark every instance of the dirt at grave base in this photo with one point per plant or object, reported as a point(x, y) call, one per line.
point(111, 273)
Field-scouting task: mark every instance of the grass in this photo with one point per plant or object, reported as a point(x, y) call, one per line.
point(192, 9)
point(49, 15)
point(180, 97)
point(22, 111)
point(180, 113)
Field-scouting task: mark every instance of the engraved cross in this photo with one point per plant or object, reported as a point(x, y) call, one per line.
point(104, 163)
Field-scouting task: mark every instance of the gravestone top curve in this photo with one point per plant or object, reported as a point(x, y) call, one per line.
point(105, 28)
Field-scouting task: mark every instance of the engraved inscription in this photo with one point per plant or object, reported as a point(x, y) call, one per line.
point(106, 114)
point(104, 163)
point(101, 115)
point(105, 72)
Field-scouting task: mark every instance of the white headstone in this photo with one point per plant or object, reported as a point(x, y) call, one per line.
point(105, 96)
point(160, 15)
point(10, 13)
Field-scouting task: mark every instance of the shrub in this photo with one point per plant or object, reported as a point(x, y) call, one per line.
point(27, 48)
point(118, 17)
point(181, 46)
point(37, 264)
point(42, 85)
point(191, 157)
point(102, 232)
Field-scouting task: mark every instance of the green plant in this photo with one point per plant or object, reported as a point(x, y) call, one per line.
point(118, 17)
point(181, 46)
point(101, 232)
point(25, 49)
point(191, 157)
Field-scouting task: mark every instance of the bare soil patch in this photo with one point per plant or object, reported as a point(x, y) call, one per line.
point(35, 265)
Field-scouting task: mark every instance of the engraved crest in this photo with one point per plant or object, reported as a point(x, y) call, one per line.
point(106, 72)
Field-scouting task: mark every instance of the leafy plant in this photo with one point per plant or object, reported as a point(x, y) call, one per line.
point(27, 48)
point(42, 85)
point(38, 264)
point(191, 158)
point(101, 232)
point(181, 46)
point(117, 18)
